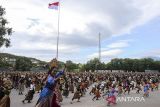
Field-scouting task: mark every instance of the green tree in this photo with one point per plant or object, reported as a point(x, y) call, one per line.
point(71, 66)
point(5, 32)
point(23, 64)
point(93, 64)
point(156, 65)
point(4, 63)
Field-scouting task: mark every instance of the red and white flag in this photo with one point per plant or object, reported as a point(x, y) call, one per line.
point(53, 5)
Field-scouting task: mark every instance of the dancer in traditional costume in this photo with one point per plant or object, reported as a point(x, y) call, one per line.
point(146, 90)
point(47, 96)
point(152, 85)
point(111, 97)
point(21, 85)
point(58, 93)
point(77, 95)
point(97, 94)
point(66, 90)
point(138, 87)
point(4, 93)
point(120, 89)
point(5, 101)
point(156, 85)
point(38, 85)
point(30, 93)
point(83, 88)
point(127, 87)
point(93, 90)
point(71, 87)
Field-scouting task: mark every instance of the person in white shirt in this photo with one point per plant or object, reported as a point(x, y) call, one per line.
point(30, 94)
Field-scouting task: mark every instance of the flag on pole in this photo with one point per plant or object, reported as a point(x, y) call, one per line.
point(53, 5)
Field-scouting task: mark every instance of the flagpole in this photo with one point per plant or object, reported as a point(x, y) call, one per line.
point(100, 47)
point(58, 30)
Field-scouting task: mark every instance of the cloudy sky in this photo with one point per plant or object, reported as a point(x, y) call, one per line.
point(129, 28)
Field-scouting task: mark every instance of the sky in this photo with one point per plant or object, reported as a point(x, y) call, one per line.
point(128, 28)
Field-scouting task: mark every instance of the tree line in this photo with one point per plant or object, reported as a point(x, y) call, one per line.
point(127, 64)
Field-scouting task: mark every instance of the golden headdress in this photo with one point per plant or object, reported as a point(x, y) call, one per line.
point(53, 63)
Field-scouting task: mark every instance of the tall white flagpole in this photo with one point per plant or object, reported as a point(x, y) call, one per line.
point(58, 30)
point(100, 47)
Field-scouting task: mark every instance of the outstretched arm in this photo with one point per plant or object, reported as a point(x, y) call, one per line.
point(59, 74)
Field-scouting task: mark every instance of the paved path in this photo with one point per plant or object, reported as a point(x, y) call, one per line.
point(152, 101)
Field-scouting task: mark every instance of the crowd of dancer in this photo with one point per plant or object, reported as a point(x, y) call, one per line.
point(55, 85)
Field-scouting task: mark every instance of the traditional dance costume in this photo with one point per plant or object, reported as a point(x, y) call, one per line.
point(146, 90)
point(111, 97)
point(47, 96)
point(30, 93)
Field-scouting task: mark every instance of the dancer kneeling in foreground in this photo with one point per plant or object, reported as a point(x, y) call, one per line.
point(47, 96)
